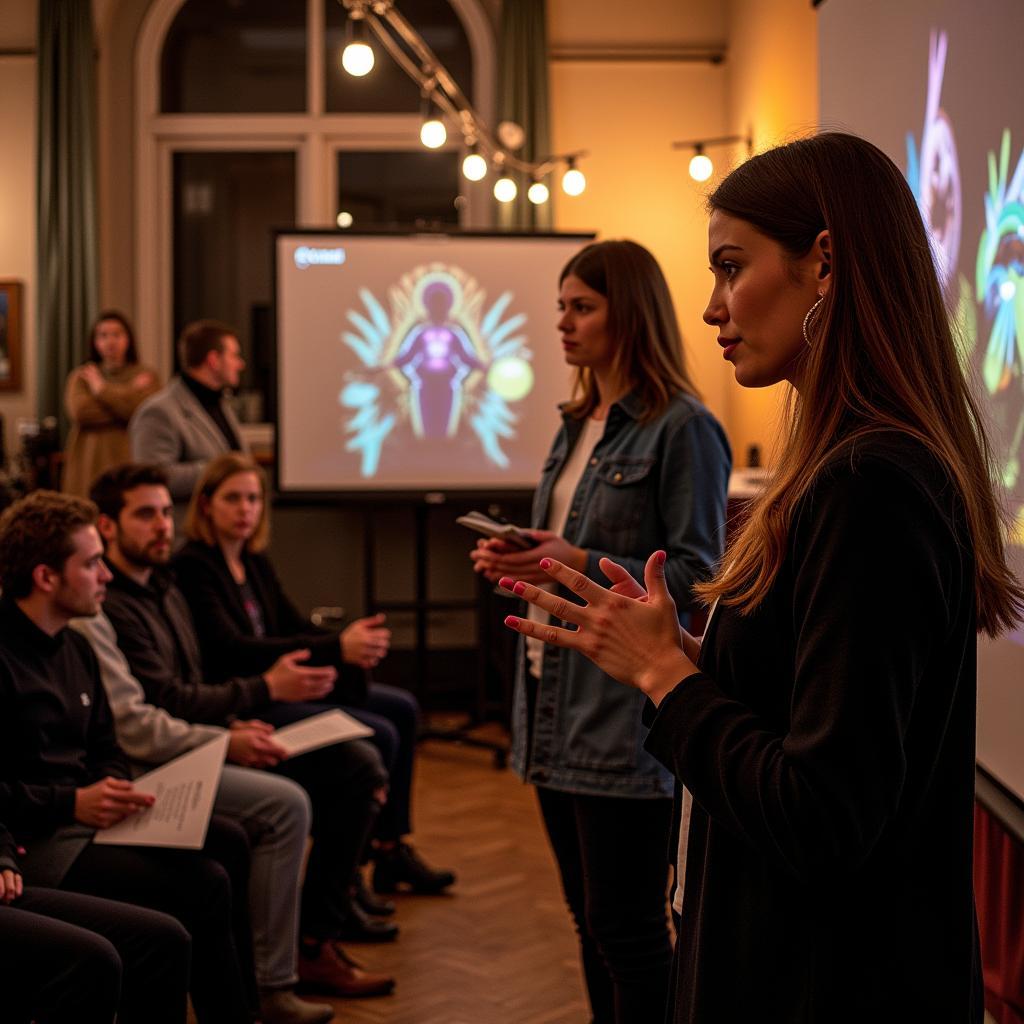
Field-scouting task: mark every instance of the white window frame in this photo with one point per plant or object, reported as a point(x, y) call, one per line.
point(313, 136)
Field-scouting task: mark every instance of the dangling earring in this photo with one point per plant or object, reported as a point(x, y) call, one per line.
point(807, 319)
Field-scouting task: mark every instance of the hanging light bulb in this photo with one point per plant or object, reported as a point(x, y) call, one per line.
point(505, 190)
point(474, 166)
point(573, 181)
point(433, 133)
point(538, 193)
point(357, 57)
point(700, 165)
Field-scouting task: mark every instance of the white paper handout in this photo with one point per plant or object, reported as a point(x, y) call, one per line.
point(320, 731)
point(184, 789)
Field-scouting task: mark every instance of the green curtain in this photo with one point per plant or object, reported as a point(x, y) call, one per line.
point(66, 216)
point(523, 98)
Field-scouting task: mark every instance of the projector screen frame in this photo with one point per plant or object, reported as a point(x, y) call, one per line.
point(397, 496)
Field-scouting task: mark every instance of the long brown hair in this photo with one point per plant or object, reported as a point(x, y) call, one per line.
point(642, 325)
point(882, 359)
point(198, 524)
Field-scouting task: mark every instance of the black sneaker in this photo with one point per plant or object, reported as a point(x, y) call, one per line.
point(402, 865)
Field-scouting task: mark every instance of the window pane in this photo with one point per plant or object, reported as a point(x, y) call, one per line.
point(399, 189)
point(235, 56)
point(225, 207)
point(387, 88)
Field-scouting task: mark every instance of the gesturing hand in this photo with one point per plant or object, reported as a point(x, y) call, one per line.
point(288, 680)
point(631, 635)
point(366, 641)
point(623, 583)
point(108, 801)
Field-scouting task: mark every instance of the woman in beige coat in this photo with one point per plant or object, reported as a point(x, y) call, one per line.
point(100, 397)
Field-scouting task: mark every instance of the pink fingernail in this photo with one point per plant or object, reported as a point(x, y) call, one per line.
point(507, 582)
point(545, 563)
point(512, 620)
point(519, 588)
point(662, 557)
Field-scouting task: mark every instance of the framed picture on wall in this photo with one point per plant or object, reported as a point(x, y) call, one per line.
point(10, 336)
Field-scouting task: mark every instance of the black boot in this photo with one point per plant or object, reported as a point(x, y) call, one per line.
point(402, 865)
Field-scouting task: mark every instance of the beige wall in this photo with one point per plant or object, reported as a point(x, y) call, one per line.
point(772, 72)
point(626, 113)
point(18, 192)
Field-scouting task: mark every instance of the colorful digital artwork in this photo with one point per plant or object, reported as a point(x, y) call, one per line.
point(995, 301)
point(436, 365)
point(998, 283)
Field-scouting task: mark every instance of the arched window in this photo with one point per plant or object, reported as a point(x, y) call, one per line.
point(245, 123)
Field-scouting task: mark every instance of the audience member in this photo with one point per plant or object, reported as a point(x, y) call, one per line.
point(638, 463)
point(274, 811)
point(190, 420)
point(73, 959)
point(62, 774)
point(825, 725)
point(244, 618)
point(100, 397)
point(346, 782)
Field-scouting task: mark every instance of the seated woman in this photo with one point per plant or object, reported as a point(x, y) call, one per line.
point(100, 397)
point(245, 622)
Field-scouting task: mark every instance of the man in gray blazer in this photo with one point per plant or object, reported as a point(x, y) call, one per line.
point(189, 421)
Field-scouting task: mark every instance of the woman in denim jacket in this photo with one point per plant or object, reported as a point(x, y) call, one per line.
point(638, 464)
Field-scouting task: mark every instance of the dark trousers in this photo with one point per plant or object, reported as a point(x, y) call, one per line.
point(340, 780)
point(195, 886)
point(73, 959)
point(393, 715)
point(613, 859)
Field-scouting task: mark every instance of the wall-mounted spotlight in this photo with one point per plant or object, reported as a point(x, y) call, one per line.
point(701, 167)
point(357, 57)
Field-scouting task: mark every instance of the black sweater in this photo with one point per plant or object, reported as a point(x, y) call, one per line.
point(155, 631)
point(56, 736)
point(828, 742)
point(226, 635)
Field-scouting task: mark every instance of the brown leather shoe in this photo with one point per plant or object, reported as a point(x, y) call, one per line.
point(325, 966)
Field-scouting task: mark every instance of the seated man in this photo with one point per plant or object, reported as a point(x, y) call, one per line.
point(346, 782)
point(62, 774)
point(274, 812)
point(73, 959)
point(189, 421)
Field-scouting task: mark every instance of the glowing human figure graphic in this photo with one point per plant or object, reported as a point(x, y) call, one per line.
point(438, 360)
point(436, 357)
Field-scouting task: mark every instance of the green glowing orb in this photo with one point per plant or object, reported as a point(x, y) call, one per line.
point(510, 378)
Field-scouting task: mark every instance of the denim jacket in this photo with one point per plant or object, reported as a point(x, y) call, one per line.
point(647, 486)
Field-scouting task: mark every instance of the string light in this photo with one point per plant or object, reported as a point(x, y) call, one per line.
point(444, 100)
point(357, 57)
point(505, 190)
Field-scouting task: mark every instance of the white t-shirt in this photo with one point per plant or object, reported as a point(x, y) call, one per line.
point(558, 512)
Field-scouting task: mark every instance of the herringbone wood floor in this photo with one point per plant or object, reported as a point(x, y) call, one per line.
point(500, 949)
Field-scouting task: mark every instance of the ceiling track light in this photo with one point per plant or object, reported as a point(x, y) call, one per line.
point(701, 167)
point(445, 100)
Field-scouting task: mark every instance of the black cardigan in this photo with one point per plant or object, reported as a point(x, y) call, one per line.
point(828, 742)
point(226, 636)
